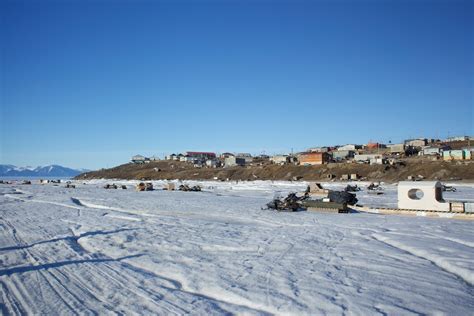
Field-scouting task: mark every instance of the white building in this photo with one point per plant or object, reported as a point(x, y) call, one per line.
point(419, 142)
point(213, 163)
point(457, 138)
point(318, 149)
point(139, 159)
point(280, 159)
point(366, 157)
point(349, 147)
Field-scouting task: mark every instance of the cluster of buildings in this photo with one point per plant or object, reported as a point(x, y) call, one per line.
point(212, 160)
point(370, 153)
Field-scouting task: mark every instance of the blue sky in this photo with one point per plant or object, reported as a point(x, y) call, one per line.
point(90, 83)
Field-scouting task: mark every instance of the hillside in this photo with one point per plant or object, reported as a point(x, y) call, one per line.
point(181, 170)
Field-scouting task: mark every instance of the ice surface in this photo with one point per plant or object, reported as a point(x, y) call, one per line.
point(85, 250)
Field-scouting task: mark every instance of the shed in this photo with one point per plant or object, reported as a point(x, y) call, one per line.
point(422, 195)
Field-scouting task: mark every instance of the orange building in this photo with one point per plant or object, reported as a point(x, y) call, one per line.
point(313, 158)
point(373, 145)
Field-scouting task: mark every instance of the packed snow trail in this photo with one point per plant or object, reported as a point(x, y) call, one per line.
point(90, 250)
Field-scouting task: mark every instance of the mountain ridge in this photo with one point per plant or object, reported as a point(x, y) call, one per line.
point(7, 170)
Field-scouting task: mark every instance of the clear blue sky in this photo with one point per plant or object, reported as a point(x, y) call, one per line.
point(90, 83)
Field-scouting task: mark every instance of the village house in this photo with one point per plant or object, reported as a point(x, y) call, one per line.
point(369, 158)
point(201, 155)
point(457, 138)
point(434, 150)
point(170, 157)
point(324, 149)
point(460, 154)
point(139, 159)
point(352, 147)
point(342, 154)
point(246, 156)
point(313, 158)
point(263, 157)
point(279, 159)
point(213, 163)
point(226, 155)
point(371, 145)
point(186, 158)
point(234, 161)
point(283, 159)
point(419, 142)
point(396, 148)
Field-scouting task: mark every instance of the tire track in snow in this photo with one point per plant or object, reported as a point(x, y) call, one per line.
point(56, 279)
point(222, 298)
point(173, 215)
point(68, 289)
point(16, 286)
point(42, 201)
point(465, 274)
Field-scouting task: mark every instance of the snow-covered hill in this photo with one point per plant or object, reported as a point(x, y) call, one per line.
point(47, 171)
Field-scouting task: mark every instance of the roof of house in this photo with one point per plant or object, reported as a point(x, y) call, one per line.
point(192, 153)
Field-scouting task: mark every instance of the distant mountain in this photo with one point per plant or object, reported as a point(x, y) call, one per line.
point(48, 171)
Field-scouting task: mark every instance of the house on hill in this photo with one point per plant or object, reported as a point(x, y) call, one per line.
point(417, 143)
point(343, 154)
point(246, 156)
point(397, 148)
point(371, 145)
point(139, 159)
point(352, 147)
point(201, 155)
point(314, 158)
point(170, 157)
point(234, 161)
point(434, 150)
point(226, 155)
point(323, 149)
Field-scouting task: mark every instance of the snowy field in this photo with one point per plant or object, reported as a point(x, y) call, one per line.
point(89, 250)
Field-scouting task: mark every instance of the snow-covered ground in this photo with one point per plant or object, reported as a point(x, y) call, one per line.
point(89, 250)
